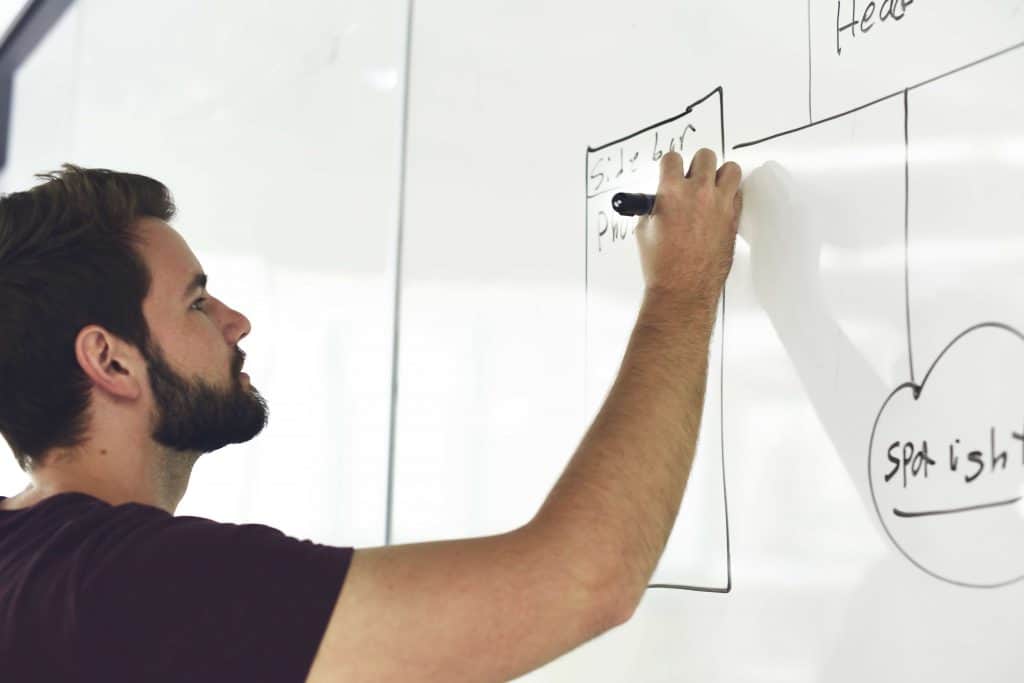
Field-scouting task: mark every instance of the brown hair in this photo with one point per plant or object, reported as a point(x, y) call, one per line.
point(69, 257)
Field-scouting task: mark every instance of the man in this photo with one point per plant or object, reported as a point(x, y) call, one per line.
point(98, 579)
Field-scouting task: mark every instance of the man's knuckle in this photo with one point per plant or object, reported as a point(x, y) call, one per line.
point(704, 193)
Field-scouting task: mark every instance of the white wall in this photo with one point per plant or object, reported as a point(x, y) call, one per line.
point(278, 132)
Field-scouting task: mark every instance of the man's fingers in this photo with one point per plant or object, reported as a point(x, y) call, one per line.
point(671, 168)
point(728, 176)
point(703, 165)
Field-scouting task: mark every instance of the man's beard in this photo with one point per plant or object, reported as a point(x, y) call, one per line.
point(197, 416)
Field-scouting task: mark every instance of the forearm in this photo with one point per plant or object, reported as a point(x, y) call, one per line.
point(614, 506)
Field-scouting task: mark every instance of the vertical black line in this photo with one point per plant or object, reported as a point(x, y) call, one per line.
point(810, 115)
point(721, 425)
point(906, 223)
point(397, 324)
point(586, 295)
point(6, 107)
point(721, 385)
point(721, 115)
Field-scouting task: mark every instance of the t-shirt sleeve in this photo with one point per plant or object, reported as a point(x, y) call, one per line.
point(168, 598)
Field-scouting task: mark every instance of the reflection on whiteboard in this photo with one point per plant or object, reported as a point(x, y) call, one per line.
point(945, 461)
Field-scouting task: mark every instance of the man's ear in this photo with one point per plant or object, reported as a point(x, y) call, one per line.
point(113, 365)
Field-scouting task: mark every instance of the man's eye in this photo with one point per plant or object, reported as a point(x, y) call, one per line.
point(198, 301)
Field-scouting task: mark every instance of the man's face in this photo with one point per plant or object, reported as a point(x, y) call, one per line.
point(197, 415)
point(201, 402)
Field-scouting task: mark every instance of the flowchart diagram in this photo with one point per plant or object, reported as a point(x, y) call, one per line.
point(916, 193)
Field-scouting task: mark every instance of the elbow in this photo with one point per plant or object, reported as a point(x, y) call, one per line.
point(624, 607)
point(602, 600)
point(617, 600)
point(600, 593)
point(612, 587)
point(615, 615)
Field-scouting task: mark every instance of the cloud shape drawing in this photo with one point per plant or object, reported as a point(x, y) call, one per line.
point(946, 461)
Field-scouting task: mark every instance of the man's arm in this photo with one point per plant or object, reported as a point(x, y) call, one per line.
point(494, 608)
point(620, 494)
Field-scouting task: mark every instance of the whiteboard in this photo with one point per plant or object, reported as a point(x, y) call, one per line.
point(873, 301)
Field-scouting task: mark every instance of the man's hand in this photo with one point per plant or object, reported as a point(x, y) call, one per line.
point(686, 246)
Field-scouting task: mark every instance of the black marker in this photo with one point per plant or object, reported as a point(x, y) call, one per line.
point(629, 204)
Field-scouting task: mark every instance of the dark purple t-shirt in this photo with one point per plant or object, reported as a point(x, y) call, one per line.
point(95, 592)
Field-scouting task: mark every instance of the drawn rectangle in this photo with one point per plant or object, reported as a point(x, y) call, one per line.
point(697, 554)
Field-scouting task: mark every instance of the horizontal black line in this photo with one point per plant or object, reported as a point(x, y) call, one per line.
point(969, 65)
point(811, 125)
point(617, 188)
point(702, 589)
point(689, 110)
point(882, 99)
point(925, 513)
